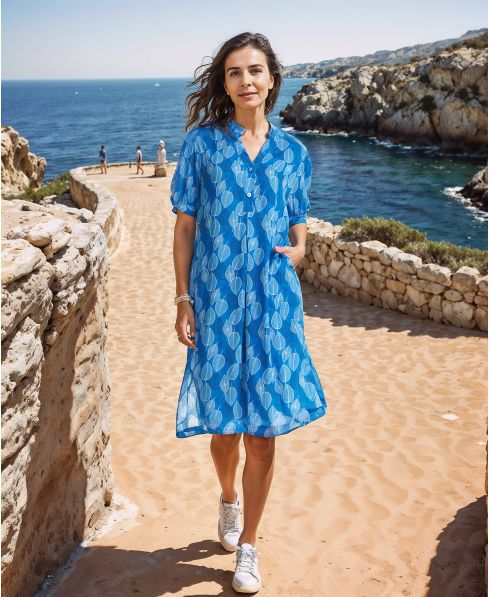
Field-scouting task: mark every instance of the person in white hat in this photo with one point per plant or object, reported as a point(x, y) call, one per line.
point(161, 154)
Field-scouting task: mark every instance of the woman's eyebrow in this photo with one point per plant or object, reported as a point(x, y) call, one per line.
point(238, 68)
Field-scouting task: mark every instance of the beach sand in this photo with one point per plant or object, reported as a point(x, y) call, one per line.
point(380, 497)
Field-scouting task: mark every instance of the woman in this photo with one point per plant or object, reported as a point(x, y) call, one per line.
point(239, 190)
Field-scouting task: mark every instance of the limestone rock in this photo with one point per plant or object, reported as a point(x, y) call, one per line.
point(439, 100)
point(39, 234)
point(56, 469)
point(386, 255)
point(483, 285)
point(21, 169)
point(466, 279)
point(405, 262)
point(19, 258)
point(458, 313)
point(372, 248)
point(349, 275)
point(427, 286)
point(477, 189)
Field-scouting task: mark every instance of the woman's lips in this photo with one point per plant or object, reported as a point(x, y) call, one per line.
point(247, 94)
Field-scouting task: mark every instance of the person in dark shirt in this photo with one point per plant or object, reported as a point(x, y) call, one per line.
point(103, 160)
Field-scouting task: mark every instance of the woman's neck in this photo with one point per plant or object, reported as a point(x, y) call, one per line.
point(253, 120)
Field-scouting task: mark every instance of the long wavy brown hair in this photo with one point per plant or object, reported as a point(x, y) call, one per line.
point(210, 104)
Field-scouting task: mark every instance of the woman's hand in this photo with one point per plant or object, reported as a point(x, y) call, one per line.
point(295, 253)
point(185, 324)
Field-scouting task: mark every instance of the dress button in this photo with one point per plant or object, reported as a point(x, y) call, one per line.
point(250, 169)
point(249, 194)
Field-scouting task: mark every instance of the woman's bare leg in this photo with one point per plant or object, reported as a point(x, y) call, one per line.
point(257, 479)
point(225, 450)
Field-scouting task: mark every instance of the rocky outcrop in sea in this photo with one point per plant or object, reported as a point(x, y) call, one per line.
point(440, 100)
point(21, 169)
point(477, 189)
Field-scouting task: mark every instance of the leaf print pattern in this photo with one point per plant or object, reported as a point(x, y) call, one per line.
point(251, 371)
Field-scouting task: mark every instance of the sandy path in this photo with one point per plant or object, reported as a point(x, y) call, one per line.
point(382, 496)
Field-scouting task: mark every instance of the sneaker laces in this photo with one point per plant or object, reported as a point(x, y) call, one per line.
point(231, 519)
point(245, 560)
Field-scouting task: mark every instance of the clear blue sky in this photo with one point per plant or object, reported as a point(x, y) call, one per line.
point(66, 39)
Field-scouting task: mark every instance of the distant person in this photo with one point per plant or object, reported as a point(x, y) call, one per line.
point(103, 160)
point(139, 160)
point(161, 160)
point(161, 154)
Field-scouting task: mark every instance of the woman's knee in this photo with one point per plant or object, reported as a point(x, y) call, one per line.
point(259, 448)
point(226, 442)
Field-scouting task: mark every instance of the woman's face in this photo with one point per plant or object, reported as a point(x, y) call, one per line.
point(247, 78)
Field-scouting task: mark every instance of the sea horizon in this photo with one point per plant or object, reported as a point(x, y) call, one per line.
point(353, 175)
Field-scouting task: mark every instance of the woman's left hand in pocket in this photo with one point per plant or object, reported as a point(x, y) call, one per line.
point(295, 254)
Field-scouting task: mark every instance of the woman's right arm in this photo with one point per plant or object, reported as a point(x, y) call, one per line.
point(184, 235)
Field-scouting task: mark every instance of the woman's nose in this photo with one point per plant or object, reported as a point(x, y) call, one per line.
point(246, 79)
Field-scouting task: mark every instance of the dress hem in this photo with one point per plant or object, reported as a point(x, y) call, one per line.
point(200, 430)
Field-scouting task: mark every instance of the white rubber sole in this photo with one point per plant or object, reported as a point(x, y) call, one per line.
point(225, 545)
point(252, 589)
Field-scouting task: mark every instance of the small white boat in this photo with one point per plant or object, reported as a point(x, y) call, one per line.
point(157, 84)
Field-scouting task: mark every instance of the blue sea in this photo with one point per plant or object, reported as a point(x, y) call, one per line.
point(67, 121)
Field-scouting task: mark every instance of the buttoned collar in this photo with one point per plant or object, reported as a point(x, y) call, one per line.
point(236, 130)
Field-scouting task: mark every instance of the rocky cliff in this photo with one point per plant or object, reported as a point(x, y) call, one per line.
point(21, 169)
point(56, 454)
point(440, 100)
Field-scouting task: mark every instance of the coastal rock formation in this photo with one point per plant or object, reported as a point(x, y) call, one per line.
point(56, 454)
point(477, 189)
point(440, 100)
point(386, 277)
point(21, 169)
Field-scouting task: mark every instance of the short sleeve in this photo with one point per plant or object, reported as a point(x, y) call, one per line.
point(298, 202)
point(185, 186)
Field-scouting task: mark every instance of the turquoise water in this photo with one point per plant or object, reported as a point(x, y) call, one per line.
point(67, 121)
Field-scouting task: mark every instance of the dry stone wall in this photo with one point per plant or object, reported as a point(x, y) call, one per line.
point(386, 277)
point(56, 453)
point(93, 196)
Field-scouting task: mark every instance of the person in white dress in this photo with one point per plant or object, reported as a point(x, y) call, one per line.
point(161, 154)
point(161, 160)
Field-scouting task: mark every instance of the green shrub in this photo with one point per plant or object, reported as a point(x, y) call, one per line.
point(479, 42)
point(427, 103)
point(396, 234)
point(57, 186)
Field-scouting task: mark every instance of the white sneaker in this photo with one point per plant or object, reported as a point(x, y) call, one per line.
point(247, 576)
point(229, 523)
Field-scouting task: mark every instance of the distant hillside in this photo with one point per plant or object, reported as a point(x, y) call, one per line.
point(404, 55)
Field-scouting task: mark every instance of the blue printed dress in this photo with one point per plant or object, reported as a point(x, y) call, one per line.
point(251, 371)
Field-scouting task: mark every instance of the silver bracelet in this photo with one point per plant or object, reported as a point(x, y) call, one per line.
point(184, 297)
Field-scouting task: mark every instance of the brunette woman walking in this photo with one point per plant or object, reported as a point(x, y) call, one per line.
point(240, 192)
